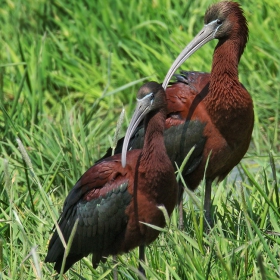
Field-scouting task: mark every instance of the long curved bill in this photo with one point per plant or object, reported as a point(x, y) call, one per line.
point(206, 34)
point(139, 113)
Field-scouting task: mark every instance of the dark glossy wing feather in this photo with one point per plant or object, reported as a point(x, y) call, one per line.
point(102, 220)
point(194, 79)
point(178, 142)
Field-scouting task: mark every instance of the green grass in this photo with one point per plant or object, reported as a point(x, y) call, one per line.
point(67, 69)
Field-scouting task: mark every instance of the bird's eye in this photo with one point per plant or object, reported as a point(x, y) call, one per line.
point(152, 98)
point(219, 21)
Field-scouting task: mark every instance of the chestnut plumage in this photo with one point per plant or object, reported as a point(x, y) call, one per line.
point(114, 197)
point(215, 108)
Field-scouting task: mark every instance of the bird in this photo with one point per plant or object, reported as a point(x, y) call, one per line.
point(115, 199)
point(215, 108)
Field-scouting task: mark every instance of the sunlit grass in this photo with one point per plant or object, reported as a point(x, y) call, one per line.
point(67, 70)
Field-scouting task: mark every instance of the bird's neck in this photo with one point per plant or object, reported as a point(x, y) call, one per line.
point(155, 167)
point(224, 87)
point(153, 141)
point(225, 60)
point(227, 99)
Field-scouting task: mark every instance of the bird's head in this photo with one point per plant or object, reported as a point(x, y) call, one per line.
point(150, 98)
point(222, 21)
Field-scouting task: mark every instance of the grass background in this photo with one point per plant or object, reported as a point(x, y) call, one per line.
point(67, 68)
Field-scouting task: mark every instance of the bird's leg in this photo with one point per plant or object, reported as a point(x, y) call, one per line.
point(180, 201)
point(207, 206)
point(141, 258)
point(181, 219)
point(115, 271)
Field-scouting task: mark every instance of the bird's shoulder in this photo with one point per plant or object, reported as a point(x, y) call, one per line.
point(102, 179)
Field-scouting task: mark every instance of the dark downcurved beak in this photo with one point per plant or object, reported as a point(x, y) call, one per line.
point(206, 34)
point(140, 112)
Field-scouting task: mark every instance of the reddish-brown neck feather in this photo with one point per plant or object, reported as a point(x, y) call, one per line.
point(154, 143)
point(155, 165)
point(228, 101)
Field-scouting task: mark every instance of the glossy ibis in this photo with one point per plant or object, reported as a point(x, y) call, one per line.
point(214, 108)
point(114, 197)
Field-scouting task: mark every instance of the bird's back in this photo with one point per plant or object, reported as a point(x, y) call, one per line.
point(109, 202)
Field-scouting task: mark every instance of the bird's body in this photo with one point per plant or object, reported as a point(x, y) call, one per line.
point(112, 202)
point(227, 114)
point(219, 101)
